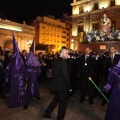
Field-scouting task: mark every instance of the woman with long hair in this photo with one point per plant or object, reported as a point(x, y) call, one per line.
point(105, 24)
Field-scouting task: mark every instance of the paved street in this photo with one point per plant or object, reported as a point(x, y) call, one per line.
point(75, 110)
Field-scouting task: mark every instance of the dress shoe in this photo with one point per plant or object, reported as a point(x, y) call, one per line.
point(82, 100)
point(91, 102)
point(103, 103)
point(38, 98)
point(25, 107)
point(47, 116)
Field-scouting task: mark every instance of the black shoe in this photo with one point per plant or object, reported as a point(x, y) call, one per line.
point(82, 100)
point(25, 107)
point(47, 116)
point(91, 102)
point(103, 103)
point(38, 98)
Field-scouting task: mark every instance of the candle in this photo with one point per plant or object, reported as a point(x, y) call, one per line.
point(98, 89)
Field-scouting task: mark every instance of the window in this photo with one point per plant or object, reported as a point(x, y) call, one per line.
point(63, 42)
point(63, 31)
point(112, 3)
point(80, 9)
point(95, 6)
point(63, 36)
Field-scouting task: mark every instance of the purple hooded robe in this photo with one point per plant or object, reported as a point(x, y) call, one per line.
point(15, 76)
point(113, 81)
point(33, 66)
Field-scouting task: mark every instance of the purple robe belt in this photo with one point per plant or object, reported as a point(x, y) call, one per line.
point(32, 79)
point(21, 83)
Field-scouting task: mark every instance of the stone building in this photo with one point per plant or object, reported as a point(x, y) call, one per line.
point(52, 31)
point(24, 34)
point(86, 16)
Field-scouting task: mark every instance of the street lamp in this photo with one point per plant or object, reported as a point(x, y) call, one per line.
point(29, 42)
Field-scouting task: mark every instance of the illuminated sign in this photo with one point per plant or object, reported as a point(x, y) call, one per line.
point(10, 27)
point(102, 47)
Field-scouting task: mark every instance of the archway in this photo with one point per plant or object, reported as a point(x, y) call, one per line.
point(8, 45)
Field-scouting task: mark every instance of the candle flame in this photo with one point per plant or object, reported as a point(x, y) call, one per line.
point(90, 78)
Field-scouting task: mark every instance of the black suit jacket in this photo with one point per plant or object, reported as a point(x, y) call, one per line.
point(115, 61)
point(86, 68)
point(23, 58)
point(107, 64)
point(60, 78)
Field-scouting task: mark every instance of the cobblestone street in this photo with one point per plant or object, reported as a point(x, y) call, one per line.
point(75, 110)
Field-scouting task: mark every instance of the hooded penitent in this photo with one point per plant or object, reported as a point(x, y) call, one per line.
point(32, 59)
point(33, 66)
point(113, 84)
point(15, 76)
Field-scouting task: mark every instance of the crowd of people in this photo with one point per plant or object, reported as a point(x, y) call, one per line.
point(75, 69)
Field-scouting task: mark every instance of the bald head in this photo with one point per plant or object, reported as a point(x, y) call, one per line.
point(64, 53)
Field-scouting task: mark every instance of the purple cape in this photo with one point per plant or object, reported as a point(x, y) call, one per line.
point(113, 81)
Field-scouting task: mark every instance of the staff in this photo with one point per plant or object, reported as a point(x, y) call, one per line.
point(99, 89)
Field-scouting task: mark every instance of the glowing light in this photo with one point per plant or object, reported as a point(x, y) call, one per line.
point(75, 10)
point(117, 2)
point(74, 33)
point(10, 27)
point(29, 42)
point(74, 0)
point(104, 4)
point(72, 40)
point(72, 46)
point(87, 7)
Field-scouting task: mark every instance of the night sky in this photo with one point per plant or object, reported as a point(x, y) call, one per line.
point(19, 10)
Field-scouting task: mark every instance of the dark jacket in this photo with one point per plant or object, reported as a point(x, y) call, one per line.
point(115, 61)
point(86, 67)
point(60, 78)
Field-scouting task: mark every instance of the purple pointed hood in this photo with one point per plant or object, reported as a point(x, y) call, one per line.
point(31, 58)
point(16, 62)
point(15, 46)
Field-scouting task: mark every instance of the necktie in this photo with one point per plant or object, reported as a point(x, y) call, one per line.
point(86, 57)
point(112, 58)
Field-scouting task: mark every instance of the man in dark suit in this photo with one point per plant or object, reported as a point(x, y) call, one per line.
point(60, 84)
point(24, 55)
point(86, 70)
point(109, 62)
point(114, 58)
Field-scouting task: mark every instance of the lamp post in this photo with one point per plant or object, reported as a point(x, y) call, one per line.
point(29, 42)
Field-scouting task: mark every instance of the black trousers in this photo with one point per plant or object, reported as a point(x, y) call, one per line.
point(87, 88)
point(61, 97)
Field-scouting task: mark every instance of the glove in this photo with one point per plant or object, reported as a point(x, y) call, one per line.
point(70, 92)
point(107, 88)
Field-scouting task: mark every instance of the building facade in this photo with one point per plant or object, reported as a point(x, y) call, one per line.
point(86, 16)
point(51, 31)
point(24, 35)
